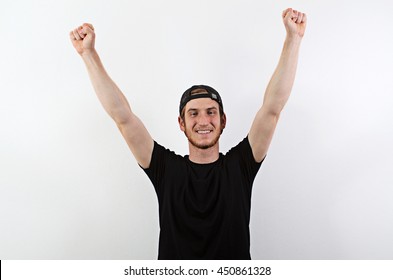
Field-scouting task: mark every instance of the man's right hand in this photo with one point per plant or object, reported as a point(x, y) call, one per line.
point(83, 38)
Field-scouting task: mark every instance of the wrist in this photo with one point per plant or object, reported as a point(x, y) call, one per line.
point(293, 39)
point(88, 54)
point(91, 59)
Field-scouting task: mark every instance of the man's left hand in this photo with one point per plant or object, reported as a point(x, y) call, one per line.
point(295, 22)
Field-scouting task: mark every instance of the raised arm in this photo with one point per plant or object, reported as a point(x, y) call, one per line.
point(112, 99)
point(279, 87)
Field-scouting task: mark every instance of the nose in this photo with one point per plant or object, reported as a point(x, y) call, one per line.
point(203, 119)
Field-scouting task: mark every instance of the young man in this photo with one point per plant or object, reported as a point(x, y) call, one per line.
point(204, 198)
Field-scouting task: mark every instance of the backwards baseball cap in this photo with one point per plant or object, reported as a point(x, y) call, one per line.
point(210, 93)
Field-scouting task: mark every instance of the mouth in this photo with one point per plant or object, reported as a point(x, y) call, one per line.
point(204, 131)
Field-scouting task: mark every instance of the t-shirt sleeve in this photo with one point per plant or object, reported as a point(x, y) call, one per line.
point(156, 169)
point(243, 154)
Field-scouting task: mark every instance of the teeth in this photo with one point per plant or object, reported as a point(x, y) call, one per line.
point(203, 131)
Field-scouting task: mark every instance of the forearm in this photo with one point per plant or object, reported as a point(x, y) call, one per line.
point(110, 96)
point(280, 85)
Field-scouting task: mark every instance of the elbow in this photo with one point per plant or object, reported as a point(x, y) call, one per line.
point(122, 121)
point(121, 117)
point(273, 107)
point(274, 104)
point(273, 111)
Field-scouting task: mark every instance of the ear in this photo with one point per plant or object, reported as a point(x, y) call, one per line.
point(181, 124)
point(223, 121)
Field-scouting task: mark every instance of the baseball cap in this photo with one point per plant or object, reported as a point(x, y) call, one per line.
point(210, 93)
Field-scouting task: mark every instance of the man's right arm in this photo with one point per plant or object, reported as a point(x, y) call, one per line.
point(112, 99)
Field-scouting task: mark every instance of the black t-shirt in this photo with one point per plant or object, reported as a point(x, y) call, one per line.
point(204, 209)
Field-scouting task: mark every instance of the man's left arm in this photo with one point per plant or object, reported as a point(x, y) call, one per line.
point(279, 87)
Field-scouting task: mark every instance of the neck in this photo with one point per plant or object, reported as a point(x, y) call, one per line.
point(203, 156)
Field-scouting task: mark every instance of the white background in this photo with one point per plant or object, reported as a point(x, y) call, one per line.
point(70, 188)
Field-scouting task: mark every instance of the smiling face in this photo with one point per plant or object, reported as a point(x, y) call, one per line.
point(202, 122)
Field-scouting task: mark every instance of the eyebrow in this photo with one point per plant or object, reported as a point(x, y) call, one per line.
point(195, 109)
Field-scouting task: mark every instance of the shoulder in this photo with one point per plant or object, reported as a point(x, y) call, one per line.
point(162, 154)
point(241, 147)
point(242, 153)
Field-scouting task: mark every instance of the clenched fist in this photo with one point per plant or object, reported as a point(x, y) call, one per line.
point(295, 22)
point(83, 38)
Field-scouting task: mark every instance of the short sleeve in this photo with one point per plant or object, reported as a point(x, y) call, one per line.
point(242, 153)
point(156, 169)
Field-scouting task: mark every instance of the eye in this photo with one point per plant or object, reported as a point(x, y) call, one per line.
point(193, 113)
point(211, 112)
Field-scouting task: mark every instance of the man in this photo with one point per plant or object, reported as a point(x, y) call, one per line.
point(204, 198)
